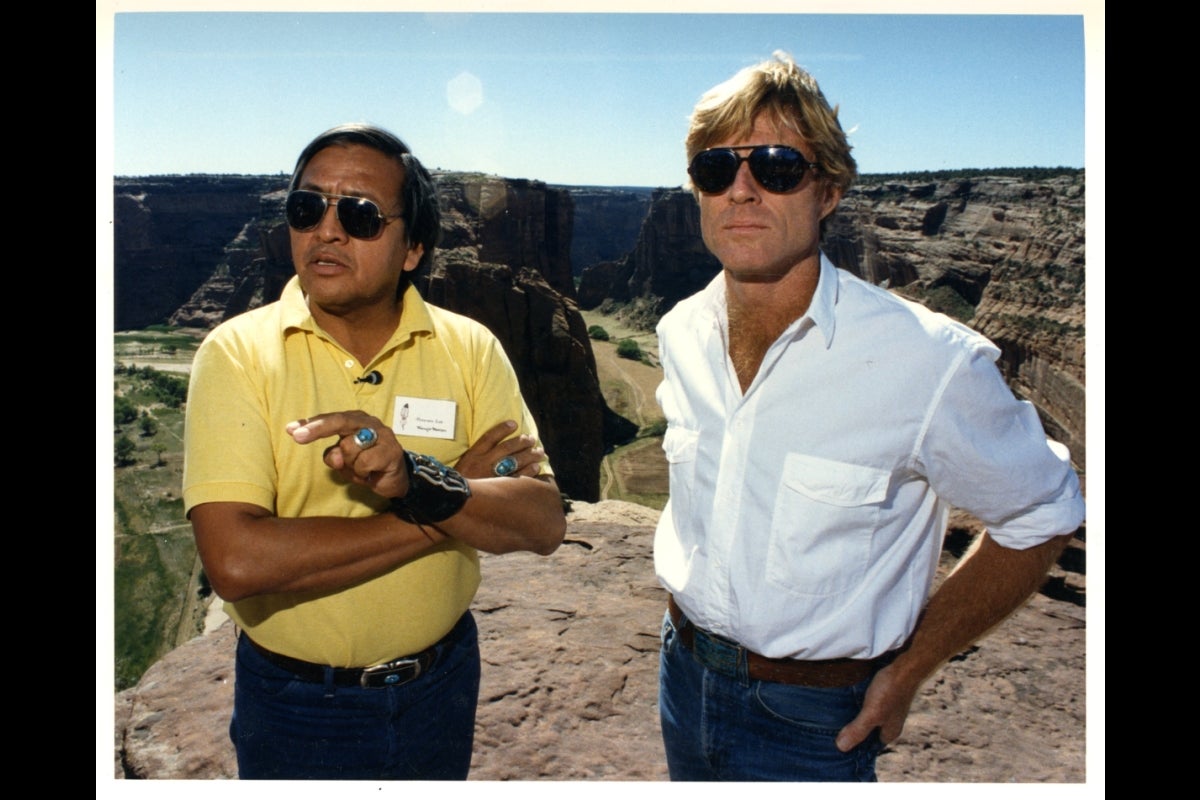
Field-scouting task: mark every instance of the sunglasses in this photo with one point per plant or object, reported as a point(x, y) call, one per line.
point(778, 168)
point(360, 217)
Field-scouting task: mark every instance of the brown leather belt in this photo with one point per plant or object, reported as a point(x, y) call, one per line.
point(723, 655)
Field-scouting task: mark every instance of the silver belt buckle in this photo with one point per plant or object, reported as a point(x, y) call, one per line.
point(391, 674)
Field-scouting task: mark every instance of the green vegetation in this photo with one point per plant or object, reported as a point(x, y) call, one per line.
point(149, 386)
point(148, 424)
point(153, 339)
point(628, 348)
point(157, 345)
point(942, 299)
point(149, 594)
point(123, 451)
point(652, 429)
point(1046, 285)
point(598, 333)
point(156, 573)
point(124, 411)
point(1040, 324)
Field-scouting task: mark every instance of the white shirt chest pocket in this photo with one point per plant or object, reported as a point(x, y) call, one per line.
point(679, 446)
point(823, 525)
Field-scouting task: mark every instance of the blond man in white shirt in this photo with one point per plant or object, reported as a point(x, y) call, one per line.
point(819, 428)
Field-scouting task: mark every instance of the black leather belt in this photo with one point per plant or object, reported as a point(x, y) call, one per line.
point(723, 655)
point(393, 673)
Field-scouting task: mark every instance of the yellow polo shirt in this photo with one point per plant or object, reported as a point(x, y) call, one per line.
point(267, 367)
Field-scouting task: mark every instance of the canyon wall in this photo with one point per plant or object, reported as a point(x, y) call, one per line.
point(504, 260)
point(1003, 253)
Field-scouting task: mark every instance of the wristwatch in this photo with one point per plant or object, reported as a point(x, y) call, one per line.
point(435, 492)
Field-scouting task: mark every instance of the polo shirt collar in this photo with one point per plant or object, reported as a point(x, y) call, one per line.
point(414, 319)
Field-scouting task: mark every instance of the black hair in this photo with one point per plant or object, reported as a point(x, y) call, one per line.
point(418, 194)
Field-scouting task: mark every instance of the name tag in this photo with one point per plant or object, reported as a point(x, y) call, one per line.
point(420, 416)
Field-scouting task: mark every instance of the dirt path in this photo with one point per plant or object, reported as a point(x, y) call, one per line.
point(629, 388)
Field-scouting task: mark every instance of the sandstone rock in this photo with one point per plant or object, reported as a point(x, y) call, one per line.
point(170, 232)
point(668, 263)
point(607, 221)
point(570, 650)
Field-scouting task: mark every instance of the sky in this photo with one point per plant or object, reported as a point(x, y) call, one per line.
point(579, 98)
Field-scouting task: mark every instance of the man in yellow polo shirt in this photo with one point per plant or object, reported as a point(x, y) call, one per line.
point(319, 430)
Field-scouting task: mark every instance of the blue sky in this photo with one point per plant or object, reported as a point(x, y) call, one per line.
point(579, 98)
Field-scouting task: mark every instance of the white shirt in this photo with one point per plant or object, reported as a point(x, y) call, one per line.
point(806, 516)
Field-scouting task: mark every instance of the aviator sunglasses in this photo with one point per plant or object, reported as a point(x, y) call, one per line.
point(360, 217)
point(777, 167)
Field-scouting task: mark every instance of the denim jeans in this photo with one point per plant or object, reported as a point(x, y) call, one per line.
point(286, 728)
point(721, 728)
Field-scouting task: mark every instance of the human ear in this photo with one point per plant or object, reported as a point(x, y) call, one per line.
point(832, 196)
point(413, 259)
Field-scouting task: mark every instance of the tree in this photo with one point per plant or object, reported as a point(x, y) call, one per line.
point(124, 449)
point(149, 424)
point(124, 411)
point(596, 332)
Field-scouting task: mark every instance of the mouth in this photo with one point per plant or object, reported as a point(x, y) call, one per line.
point(741, 226)
point(326, 263)
point(741, 220)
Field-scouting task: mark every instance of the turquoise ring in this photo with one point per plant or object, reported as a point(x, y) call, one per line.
point(365, 438)
point(505, 466)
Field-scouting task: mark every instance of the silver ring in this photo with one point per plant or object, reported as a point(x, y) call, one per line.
point(505, 466)
point(366, 438)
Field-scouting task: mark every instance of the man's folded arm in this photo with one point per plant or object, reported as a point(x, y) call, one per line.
point(248, 551)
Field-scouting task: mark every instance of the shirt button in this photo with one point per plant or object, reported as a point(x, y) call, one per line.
point(349, 364)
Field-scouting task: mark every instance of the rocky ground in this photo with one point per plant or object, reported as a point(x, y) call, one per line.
point(570, 647)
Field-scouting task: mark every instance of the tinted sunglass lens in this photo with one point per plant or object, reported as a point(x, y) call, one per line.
point(713, 170)
point(305, 210)
point(359, 217)
point(778, 169)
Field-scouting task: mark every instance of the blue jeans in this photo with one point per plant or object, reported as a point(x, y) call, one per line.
point(721, 728)
point(287, 728)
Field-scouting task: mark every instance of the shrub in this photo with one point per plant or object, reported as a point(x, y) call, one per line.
point(628, 348)
point(596, 332)
point(168, 389)
point(148, 424)
point(124, 411)
point(123, 451)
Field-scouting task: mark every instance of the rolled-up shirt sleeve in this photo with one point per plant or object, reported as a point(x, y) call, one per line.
point(986, 452)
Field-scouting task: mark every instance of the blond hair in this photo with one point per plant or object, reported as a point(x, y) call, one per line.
point(791, 98)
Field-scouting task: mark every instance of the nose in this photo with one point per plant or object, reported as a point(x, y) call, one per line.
point(745, 188)
point(330, 227)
